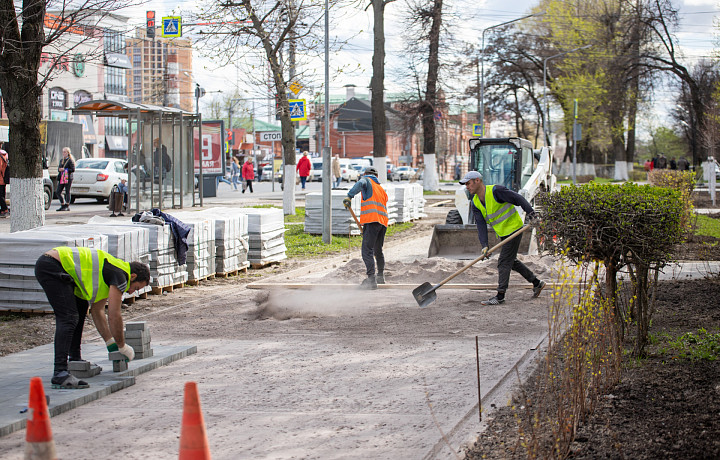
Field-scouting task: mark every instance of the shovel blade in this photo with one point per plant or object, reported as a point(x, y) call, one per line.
point(424, 294)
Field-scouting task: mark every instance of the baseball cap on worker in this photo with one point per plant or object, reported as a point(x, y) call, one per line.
point(470, 176)
point(370, 171)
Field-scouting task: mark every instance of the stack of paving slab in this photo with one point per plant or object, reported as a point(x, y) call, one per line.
point(266, 235)
point(201, 244)
point(19, 290)
point(392, 209)
point(342, 222)
point(231, 239)
point(164, 267)
point(410, 202)
point(137, 335)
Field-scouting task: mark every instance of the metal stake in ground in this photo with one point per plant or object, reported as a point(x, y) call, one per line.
point(425, 293)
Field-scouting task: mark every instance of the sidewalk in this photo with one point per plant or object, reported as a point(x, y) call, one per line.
point(19, 368)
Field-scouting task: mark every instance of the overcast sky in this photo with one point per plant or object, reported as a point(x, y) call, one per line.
point(697, 36)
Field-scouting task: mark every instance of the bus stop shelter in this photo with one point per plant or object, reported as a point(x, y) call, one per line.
point(163, 153)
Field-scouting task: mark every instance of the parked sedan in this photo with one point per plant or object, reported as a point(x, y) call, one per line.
point(404, 172)
point(392, 173)
point(95, 178)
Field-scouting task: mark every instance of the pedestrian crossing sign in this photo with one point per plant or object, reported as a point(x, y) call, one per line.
point(297, 109)
point(172, 27)
point(477, 130)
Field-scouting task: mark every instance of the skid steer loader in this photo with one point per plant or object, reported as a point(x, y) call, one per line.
point(509, 161)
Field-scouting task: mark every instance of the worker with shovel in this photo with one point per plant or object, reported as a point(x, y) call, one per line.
point(374, 221)
point(495, 204)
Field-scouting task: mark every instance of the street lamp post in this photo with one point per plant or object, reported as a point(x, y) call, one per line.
point(481, 114)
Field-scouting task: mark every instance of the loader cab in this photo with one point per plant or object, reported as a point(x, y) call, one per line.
point(504, 161)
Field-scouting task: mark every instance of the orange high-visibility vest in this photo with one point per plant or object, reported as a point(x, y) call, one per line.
point(374, 209)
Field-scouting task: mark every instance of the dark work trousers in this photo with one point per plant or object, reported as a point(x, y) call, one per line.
point(508, 261)
point(3, 204)
point(372, 245)
point(66, 188)
point(70, 311)
point(248, 185)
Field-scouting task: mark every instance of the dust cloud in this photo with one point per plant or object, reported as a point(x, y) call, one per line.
point(285, 304)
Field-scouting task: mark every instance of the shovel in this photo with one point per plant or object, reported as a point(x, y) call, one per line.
point(355, 217)
point(425, 293)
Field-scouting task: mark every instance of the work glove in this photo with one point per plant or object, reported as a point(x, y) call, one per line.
point(128, 351)
point(111, 345)
point(484, 251)
point(347, 202)
point(534, 220)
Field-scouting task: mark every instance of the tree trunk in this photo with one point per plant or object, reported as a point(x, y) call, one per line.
point(430, 178)
point(20, 61)
point(377, 102)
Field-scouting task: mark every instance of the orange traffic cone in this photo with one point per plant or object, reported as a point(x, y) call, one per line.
point(193, 437)
point(39, 443)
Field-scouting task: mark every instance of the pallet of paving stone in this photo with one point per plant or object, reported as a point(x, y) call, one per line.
point(341, 223)
point(231, 238)
point(243, 268)
point(19, 290)
point(201, 245)
point(266, 229)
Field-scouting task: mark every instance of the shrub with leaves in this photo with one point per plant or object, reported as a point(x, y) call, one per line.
point(683, 182)
point(621, 225)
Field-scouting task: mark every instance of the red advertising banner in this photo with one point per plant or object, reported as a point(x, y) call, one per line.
point(212, 148)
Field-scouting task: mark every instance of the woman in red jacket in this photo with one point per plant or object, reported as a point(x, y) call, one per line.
point(248, 173)
point(303, 168)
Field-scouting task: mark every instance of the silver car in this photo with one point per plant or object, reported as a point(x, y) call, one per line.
point(95, 178)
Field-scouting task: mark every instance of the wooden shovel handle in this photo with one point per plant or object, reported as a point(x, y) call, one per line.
point(355, 217)
point(484, 256)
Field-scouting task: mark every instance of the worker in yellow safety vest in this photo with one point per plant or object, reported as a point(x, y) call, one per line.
point(495, 205)
point(72, 278)
point(374, 220)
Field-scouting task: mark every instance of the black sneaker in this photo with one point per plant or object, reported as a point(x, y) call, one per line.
point(493, 301)
point(538, 289)
point(369, 283)
point(380, 278)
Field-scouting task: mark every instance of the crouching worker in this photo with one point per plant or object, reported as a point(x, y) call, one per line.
point(72, 278)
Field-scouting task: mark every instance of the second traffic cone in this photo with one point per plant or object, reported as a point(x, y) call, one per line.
point(39, 443)
point(193, 437)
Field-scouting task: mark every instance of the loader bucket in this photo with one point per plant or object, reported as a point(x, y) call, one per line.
point(454, 241)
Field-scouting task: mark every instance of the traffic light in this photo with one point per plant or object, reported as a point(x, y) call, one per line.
point(230, 137)
point(150, 17)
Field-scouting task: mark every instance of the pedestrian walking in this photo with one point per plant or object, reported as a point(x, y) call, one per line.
point(75, 278)
point(235, 172)
point(4, 180)
point(66, 168)
point(683, 164)
point(374, 220)
point(248, 172)
point(303, 168)
point(673, 163)
point(495, 204)
point(337, 173)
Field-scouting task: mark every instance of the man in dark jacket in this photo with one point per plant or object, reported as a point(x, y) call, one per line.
point(495, 204)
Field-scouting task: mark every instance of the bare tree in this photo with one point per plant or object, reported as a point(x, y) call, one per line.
point(25, 31)
point(377, 87)
point(254, 34)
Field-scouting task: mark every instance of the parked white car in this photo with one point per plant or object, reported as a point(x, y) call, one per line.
point(347, 172)
point(95, 178)
point(405, 172)
point(317, 170)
